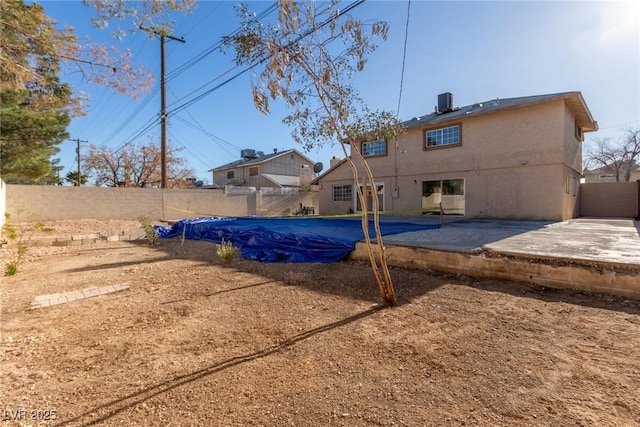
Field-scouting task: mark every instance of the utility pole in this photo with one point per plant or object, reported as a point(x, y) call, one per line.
point(78, 141)
point(163, 102)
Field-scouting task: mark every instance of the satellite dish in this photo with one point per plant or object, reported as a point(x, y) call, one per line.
point(317, 167)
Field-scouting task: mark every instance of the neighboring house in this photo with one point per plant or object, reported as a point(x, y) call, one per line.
point(518, 158)
point(608, 174)
point(256, 169)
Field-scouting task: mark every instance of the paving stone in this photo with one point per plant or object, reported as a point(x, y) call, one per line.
point(75, 296)
point(40, 304)
point(91, 292)
point(47, 297)
point(85, 236)
point(47, 241)
point(56, 301)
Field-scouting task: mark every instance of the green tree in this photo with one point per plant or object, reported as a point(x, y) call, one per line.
point(72, 178)
point(35, 107)
point(307, 59)
point(33, 125)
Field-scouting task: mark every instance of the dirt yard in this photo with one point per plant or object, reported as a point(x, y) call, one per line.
point(195, 342)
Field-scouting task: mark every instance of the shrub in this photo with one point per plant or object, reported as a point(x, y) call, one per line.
point(226, 250)
point(21, 234)
point(149, 230)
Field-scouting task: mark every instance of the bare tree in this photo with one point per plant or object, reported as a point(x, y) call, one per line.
point(135, 166)
point(307, 59)
point(619, 158)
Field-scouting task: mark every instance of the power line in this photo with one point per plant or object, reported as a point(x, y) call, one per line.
point(404, 55)
point(149, 123)
point(197, 156)
point(307, 33)
point(173, 75)
point(217, 45)
point(221, 142)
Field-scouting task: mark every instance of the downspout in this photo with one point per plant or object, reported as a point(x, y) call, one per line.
point(638, 216)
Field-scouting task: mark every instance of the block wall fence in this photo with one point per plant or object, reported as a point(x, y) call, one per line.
point(50, 203)
point(610, 199)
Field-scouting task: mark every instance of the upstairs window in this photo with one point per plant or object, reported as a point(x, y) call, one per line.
point(442, 137)
point(374, 148)
point(231, 174)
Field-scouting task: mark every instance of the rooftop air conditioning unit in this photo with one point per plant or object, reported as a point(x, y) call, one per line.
point(445, 102)
point(248, 154)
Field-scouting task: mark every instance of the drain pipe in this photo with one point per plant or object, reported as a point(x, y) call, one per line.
point(638, 217)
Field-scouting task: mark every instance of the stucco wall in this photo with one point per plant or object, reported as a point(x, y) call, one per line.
point(610, 199)
point(288, 163)
point(515, 164)
point(49, 203)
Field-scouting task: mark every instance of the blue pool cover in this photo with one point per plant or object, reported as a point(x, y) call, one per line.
point(284, 239)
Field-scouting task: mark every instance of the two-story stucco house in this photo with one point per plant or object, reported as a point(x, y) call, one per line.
point(517, 158)
point(255, 169)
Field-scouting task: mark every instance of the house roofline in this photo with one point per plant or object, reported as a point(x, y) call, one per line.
point(328, 171)
point(574, 99)
point(257, 161)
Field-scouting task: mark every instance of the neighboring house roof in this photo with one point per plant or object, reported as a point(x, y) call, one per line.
point(574, 100)
point(331, 169)
point(283, 180)
point(258, 160)
point(609, 169)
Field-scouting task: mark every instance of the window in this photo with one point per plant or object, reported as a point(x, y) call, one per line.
point(342, 193)
point(447, 187)
point(231, 174)
point(579, 134)
point(447, 194)
point(443, 136)
point(374, 148)
point(253, 171)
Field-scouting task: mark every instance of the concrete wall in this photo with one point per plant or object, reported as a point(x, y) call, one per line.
point(50, 203)
point(610, 199)
point(3, 203)
point(605, 280)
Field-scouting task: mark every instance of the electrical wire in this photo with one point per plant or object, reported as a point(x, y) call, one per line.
point(189, 64)
point(300, 37)
point(404, 56)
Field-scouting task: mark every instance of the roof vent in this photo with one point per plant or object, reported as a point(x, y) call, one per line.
point(445, 102)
